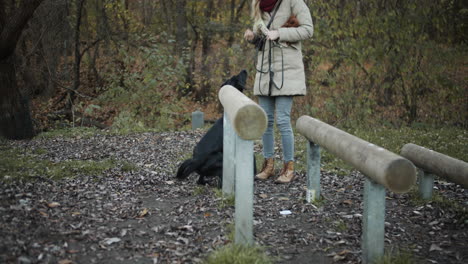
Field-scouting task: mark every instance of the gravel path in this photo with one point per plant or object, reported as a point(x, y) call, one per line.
point(145, 216)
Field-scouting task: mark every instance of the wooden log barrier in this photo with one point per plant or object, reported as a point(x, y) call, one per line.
point(437, 163)
point(248, 119)
point(382, 166)
point(244, 121)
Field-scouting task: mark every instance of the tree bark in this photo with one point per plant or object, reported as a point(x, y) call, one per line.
point(206, 45)
point(235, 15)
point(182, 43)
point(181, 27)
point(76, 67)
point(15, 118)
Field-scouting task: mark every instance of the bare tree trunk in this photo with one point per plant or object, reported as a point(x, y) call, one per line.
point(189, 79)
point(148, 12)
point(181, 27)
point(206, 45)
point(183, 49)
point(15, 118)
point(76, 66)
point(234, 20)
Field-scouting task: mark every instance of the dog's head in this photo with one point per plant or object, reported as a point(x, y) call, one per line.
point(237, 81)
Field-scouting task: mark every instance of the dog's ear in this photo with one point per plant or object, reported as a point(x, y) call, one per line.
point(239, 81)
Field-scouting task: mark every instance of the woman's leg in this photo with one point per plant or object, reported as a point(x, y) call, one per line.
point(268, 104)
point(283, 121)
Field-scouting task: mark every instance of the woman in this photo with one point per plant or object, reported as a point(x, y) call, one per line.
point(280, 73)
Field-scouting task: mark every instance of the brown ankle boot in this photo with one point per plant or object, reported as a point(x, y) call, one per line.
point(268, 169)
point(287, 174)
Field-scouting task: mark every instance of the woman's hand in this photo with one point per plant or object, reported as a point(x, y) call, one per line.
point(249, 35)
point(273, 35)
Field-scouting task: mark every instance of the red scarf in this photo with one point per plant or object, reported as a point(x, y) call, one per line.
point(267, 5)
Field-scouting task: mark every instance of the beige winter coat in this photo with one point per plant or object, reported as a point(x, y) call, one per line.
point(287, 58)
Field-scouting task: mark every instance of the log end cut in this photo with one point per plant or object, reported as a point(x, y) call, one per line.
point(400, 175)
point(250, 122)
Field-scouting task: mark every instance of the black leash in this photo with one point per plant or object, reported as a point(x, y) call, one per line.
point(271, 45)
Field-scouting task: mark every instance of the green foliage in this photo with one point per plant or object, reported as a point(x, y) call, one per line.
point(340, 225)
point(404, 257)
point(127, 166)
point(231, 231)
point(20, 165)
point(127, 122)
point(144, 90)
point(447, 140)
point(69, 132)
point(319, 202)
point(238, 254)
point(224, 200)
point(387, 60)
point(199, 190)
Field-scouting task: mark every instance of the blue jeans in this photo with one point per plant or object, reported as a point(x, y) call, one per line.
point(282, 105)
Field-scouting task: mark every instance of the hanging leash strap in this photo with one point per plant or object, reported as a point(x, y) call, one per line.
point(261, 46)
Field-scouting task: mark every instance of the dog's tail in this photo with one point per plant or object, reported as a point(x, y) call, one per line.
point(186, 168)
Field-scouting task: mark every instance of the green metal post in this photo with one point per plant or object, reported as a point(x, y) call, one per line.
point(373, 222)
point(243, 215)
point(313, 172)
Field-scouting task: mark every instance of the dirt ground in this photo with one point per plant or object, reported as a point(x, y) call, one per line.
point(146, 216)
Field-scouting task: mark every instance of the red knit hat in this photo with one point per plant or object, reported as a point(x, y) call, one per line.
point(267, 5)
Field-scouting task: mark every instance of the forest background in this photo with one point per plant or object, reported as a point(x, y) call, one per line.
point(135, 65)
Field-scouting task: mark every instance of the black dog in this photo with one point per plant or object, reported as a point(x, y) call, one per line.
point(207, 159)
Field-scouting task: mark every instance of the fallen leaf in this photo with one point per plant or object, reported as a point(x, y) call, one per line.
point(435, 247)
point(65, 261)
point(44, 214)
point(183, 239)
point(338, 258)
point(53, 204)
point(143, 212)
point(349, 202)
point(110, 241)
point(188, 228)
point(262, 195)
point(344, 252)
point(340, 243)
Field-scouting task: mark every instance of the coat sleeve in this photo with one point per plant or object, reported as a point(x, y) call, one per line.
point(306, 28)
